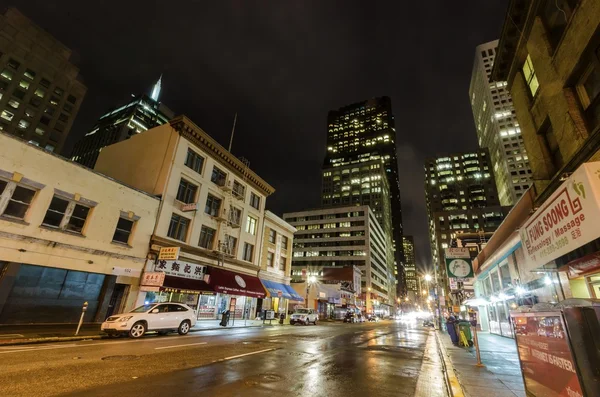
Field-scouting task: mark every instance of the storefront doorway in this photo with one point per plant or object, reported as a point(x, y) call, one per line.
point(119, 295)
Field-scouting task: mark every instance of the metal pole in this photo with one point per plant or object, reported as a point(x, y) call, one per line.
point(307, 291)
point(83, 310)
point(476, 341)
point(232, 132)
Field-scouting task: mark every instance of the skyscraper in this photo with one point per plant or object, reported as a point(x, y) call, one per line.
point(497, 127)
point(344, 236)
point(461, 198)
point(359, 133)
point(40, 89)
point(139, 114)
point(410, 268)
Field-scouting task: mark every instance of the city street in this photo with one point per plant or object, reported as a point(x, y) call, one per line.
point(332, 359)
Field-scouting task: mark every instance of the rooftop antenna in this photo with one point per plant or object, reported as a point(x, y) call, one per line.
point(232, 132)
point(156, 90)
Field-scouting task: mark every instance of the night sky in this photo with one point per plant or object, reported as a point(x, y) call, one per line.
point(281, 66)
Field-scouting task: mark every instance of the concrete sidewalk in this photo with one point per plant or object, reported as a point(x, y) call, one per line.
point(501, 374)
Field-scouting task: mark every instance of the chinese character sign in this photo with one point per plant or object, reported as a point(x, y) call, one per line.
point(180, 269)
point(155, 279)
point(458, 263)
point(169, 253)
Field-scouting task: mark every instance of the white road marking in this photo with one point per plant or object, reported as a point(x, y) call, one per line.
point(246, 354)
point(28, 349)
point(11, 335)
point(174, 346)
point(17, 347)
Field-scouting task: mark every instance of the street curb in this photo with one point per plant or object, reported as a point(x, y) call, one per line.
point(52, 340)
point(33, 341)
point(452, 382)
point(57, 339)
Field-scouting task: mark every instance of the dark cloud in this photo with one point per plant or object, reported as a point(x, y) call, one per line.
point(281, 65)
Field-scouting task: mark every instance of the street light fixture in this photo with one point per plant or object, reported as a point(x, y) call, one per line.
point(309, 281)
point(428, 277)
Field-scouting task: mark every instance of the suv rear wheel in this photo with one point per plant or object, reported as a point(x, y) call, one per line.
point(184, 327)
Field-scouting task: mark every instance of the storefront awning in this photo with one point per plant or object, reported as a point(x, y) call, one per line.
point(275, 289)
point(186, 284)
point(583, 266)
point(228, 282)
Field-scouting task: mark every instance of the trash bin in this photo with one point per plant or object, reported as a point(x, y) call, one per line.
point(225, 318)
point(464, 328)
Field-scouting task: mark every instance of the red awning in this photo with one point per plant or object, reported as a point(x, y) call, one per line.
point(228, 282)
point(582, 266)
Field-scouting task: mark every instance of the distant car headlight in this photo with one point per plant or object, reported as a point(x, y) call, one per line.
point(125, 319)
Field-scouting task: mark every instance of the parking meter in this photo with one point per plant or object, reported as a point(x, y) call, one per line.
point(83, 310)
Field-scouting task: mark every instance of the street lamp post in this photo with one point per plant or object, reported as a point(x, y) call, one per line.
point(309, 281)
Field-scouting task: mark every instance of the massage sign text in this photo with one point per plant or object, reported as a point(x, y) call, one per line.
point(566, 220)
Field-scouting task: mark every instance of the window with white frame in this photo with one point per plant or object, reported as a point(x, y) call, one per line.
point(251, 225)
point(66, 214)
point(15, 199)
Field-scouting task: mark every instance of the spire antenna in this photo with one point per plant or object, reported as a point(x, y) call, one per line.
point(156, 89)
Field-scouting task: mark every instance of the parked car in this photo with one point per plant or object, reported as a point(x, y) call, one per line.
point(372, 318)
point(160, 317)
point(304, 316)
point(350, 317)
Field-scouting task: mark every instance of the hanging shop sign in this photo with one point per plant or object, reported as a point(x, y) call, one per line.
point(453, 283)
point(180, 269)
point(169, 253)
point(153, 279)
point(189, 207)
point(567, 220)
point(458, 263)
point(546, 359)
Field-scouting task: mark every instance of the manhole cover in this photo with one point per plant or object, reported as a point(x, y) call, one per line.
point(121, 358)
point(263, 378)
point(266, 378)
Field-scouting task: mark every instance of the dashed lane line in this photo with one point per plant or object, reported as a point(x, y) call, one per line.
point(244, 355)
point(174, 346)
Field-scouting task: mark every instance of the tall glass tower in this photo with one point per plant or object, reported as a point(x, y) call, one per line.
point(359, 134)
point(139, 114)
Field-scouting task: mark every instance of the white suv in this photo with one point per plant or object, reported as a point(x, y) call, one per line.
point(161, 317)
point(304, 316)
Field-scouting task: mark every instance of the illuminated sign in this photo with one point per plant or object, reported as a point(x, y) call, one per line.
point(567, 220)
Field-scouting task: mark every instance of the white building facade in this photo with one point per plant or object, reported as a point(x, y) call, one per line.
point(68, 235)
point(212, 210)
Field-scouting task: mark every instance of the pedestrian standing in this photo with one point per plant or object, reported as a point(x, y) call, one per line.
point(450, 326)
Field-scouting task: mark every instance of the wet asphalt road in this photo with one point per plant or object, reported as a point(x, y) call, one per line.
point(332, 359)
